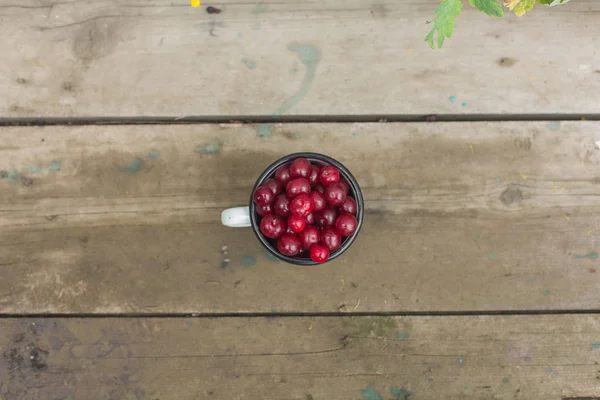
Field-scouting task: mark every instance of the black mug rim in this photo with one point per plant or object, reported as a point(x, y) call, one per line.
point(354, 189)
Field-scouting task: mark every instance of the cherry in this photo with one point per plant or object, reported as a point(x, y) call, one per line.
point(302, 205)
point(296, 224)
point(314, 175)
point(289, 245)
point(326, 217)
point(300, 168)
point(272, 226)
point(335, 194)
point(263, 195)
point(346, 224)
point(310, 219)
point(349, 205)
point(319, 188)
point(309, 236)
point(319, 200)
point(274, 186)
point(281, 205)
point(329, 175)
point(345, 185)
point(283, 174)
point(264, 210)
point(296, 187)
point(319, 253)
point(331, 238)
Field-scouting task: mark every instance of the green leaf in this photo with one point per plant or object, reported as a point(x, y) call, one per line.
point(443, 23)
point(490, 7)
point(545, 1)
point(524, 6)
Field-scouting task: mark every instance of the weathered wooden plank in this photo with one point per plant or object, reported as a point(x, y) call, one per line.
point(460, 216)
point(148, 58)
point(500, 357)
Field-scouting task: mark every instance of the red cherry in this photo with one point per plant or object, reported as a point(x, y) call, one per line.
point(319, 253)
point(326, 217)
point(331, 238)
point(309, 236)
point(314, 175)
point(272, 226)
point(310, 219)
point(296, 224)
point(296, 187)
point(300, 168)
point(319, 200)
point(263, 195)
point(329, 175)
point(334, 194)
point(346, 224)
point(275, 186)
point(289, 230)
point(319, 188)
point(289, 245)
point(302, 205)
point(283, 174)
point(345, 185)
point(281, 205)
point(349, 205)
point(264, 210)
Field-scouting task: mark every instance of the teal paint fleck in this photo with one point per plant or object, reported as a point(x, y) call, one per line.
point(497, 179)
point(265, 130)
point(134, 166)
point(460, 360)
point(273, 311)
point(402, 336)
point(546, 292)
point(240, 35)
point(466, 388)
point(354, 134)
point(491, 255)
point(215, 308)
point(505, 380)
point(554, 125)
point(549, 370)
point(13, 176)
point(208, 149)
point(596, 346)
point(463, 104)
point(452, 99)
point(227, 141)
point(54, 166)
point(153, 155)
point(259, 9)
point(527, 359)
point(34, 169)
point(297, 134)
point(370, 394)
point(248, 261)
point(400, 393)
point(309, 56)
point(369, 308)
point(591, 256)
point(555, 374)
point(249, 63)
point(232, 269)
point(189, 323)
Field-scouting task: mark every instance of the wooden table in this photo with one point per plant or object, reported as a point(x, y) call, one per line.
point(127, 126)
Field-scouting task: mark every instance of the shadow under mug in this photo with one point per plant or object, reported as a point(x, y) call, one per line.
point(243, 217)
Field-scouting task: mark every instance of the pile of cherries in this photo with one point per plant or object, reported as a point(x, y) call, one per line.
point(306, 208)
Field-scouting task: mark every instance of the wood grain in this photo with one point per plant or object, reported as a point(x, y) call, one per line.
point(350, 358)
point(459, 216)
point(140, 58)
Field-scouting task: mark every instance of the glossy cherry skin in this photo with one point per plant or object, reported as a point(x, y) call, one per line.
point(263, 195)
point(326, 217)
point(296, 224)
point(349, 206)
point(346, 224)
point(310, 219)
point(329, 175)
point(319, 200)
point(334, 194)
point(272, 226)
point(289, 245)
point(264, 210)
point(331, 238)
point(274, 185)
point(283, 174)
point(296, 187)
point(281, 205)
point(302, 205)
point(344, 184)
point(313, 179)
point(309, 236)
point(319, 253)
point(300, 168)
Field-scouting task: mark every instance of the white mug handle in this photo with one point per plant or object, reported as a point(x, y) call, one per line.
point(237, 217)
